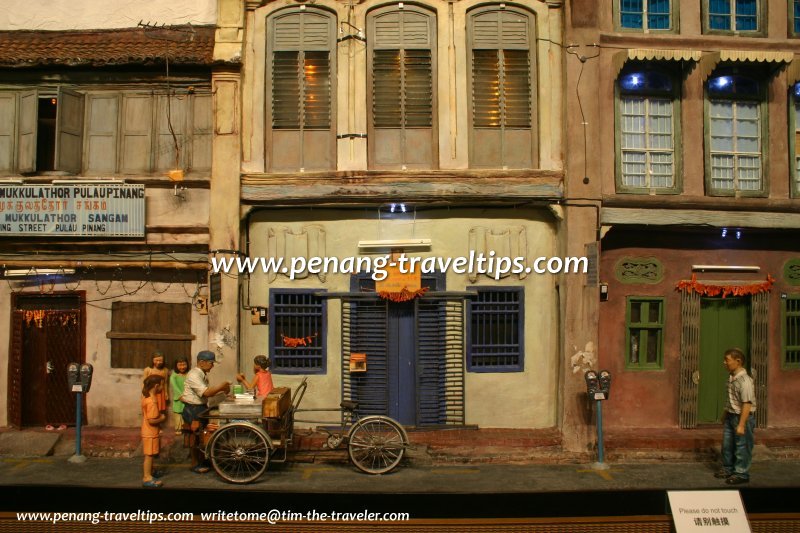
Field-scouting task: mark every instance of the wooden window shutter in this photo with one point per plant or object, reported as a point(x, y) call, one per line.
point(202, 126)
point(301, 109)
point(136, 132)
point(140, 328)
point(171, 118)
point(402, 81)
point(503, 75)
point(8, 120)
point(69, 131)
point(101, 133)
point(26, 132)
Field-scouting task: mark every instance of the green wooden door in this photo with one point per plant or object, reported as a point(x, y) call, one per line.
point(724, 323)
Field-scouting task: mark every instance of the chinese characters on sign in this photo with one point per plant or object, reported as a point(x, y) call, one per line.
point(87, 210)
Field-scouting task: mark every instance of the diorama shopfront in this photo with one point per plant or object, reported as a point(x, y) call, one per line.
point(449, 353)
point(674, 308)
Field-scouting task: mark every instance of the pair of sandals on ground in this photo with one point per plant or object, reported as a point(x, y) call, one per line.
point(157, 483)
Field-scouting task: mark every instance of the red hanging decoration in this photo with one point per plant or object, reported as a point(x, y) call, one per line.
point(404, 295)
point(294, 342)
point(705, 289)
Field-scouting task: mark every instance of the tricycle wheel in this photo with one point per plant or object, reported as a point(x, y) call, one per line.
point(239, 452)
point(376, 444)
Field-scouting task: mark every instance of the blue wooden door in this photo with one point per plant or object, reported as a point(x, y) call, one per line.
point(388, 333)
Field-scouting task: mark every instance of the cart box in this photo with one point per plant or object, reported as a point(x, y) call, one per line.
point(248, 408)
point(277, 402)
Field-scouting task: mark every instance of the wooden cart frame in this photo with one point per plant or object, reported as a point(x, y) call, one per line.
point(241, 449)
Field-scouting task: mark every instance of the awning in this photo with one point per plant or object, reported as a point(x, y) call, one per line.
point(652, 54)
point(793, 71)
point(710, 60)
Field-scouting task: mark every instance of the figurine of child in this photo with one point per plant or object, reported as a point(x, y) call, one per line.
point(152, 417)
point(158, 368)
point(177, 379)
point(262, 381)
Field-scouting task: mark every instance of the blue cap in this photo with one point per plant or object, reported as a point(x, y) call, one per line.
point(206, 355)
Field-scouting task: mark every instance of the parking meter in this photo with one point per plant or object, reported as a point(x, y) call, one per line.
point(86, 376)
point(605, 383)
point(74, 377)
point(592, 384)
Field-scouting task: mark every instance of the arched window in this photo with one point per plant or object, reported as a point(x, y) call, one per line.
point(647, 148)
point(301, 67)
point(402, 77)
point(503, 81)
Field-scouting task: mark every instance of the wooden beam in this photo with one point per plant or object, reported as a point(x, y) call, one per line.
point(708, 203)
point(103, 265)
point(693, 217)
point(151, 336)
point(430, 186)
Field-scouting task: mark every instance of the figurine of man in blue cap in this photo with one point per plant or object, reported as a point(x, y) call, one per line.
point(196, 393)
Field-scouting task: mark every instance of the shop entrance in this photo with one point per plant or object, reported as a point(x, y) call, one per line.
point(404, 344)
point(47, 333)
point(724, 323)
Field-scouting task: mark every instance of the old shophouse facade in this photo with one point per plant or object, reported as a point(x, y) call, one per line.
point(691, 118)
point(426, 128)
point(103, 255)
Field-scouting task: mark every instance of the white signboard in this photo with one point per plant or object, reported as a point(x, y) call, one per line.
point(704, 511)
point(101, 210)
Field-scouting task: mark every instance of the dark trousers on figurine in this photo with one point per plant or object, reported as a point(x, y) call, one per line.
point(737, 450)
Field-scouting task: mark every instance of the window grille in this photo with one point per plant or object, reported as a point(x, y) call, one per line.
point(791, 331)
point(644, 332)
point(297, 333)
point(496, 330)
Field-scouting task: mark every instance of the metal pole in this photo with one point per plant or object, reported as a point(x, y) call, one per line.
point(600, 454)
point(600, 464)
point(78, 458)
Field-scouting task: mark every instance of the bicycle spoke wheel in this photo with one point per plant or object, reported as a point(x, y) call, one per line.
point(376, 444)
point(239, 453)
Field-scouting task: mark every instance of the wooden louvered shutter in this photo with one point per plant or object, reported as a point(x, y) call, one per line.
point(402, 65)
point(171, 133)
point(26, 133)
point(503, 78)
point(301, 109)
point(101, 133)
point(69, 131)
point(137, 133)
point(8, 120)
point(202, 126)
point(367, 332)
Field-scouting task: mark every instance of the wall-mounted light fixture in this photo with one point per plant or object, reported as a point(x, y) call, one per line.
point(33, 272)
point(394, 244)
point(724, 268)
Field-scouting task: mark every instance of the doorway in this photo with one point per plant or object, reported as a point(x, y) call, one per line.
point(48, 333)
point(390, 334)
point(724, 323)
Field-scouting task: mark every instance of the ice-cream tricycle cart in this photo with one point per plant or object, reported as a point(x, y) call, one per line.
point(242, 437)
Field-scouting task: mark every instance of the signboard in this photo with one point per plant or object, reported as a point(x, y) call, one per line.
point(86, 210)
point(396, 281)
point(708, 510)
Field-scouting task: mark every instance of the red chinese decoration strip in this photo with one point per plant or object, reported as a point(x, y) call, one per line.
point(404, 295)
point(704, 289)
point(294, 342)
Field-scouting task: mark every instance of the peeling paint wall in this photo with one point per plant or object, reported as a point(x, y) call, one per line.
point(515, 399)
